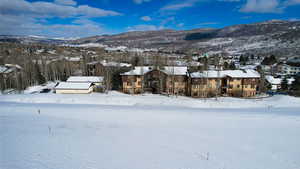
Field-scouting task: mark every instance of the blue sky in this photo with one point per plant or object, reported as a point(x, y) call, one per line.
point(80, 18)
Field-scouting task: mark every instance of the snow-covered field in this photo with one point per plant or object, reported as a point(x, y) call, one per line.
point(118, 131)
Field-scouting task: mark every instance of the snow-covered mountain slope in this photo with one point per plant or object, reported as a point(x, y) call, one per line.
point(265, 37)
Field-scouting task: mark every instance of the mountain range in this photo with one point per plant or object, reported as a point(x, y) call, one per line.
point(270, 37)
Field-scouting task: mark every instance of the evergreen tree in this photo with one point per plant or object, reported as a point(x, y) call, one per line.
point(232, 66)
point(296, 84)
point(284, 84)
point(204, 60)
point(269, 60)
point(226, 66)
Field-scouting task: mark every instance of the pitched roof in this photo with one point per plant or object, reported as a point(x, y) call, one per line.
point(139, 70)
point(175, 70)
point(3, 69)
point(277, 81)
point(170, 70)
point(231, 73)
point(71, 86)
point(82, 79)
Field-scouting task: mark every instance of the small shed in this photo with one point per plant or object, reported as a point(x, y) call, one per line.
point(74, 88)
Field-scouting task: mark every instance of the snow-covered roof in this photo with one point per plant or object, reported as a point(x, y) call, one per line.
point(277, 81)
point(84, 79)
point(139, 70)
point(8, 68)
point(111, 63)
point(71, 85)
point(272, 80)
point(231, 73)
point(3, 69)
point(73, 59)
point(175, 70)
point(170, 70)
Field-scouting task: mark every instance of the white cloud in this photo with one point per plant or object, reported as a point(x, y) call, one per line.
point(292, 2)
point(180, 5)
point(65, 2)
point(22, 25)
point(262, 6)
point(23, 17)
point(146, 18)
point(140, 1)
point(47, 9)
point(229, 0)
point(180, 25)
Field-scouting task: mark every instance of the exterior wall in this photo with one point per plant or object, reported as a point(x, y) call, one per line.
point(74, 91)
point(245, 87)
point(155, 81)
point(176, 85)
point(234, 87)
point(203, 88)
point(132, 84)
point(288, 70)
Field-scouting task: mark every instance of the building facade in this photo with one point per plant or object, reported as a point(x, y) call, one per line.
point(157, 80)
point(177, 81)
point(234, 83)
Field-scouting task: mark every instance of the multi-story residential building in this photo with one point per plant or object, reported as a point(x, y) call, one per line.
point(287, 69)
point(177, 80)
point(236, 83)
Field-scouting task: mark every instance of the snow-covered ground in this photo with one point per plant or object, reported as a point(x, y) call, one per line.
point(118, 131)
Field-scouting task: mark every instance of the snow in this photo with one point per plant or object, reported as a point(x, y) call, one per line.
point(151, 131)
point(248, 73)
point(73, 59)
point(86, 45)
point(89, 79)
point(73, 85)
point(39, 88)
point(114, 64)
point(277, 81)
point(116, 98)
point(2, 69)
point(175, 70)
point(170, 70)
point(139, 70)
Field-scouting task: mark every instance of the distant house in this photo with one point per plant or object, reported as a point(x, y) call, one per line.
point(74, 88)
point(292, 67)
point(100, 68)
point(9, 76)
point(276, 82)
point(236, 83)
point(8, 69)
